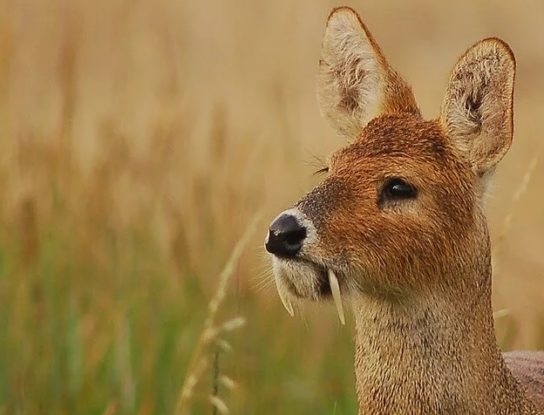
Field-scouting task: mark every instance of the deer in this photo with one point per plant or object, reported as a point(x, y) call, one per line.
point(397, 229)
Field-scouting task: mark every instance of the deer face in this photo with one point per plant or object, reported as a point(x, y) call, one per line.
point(401, 205)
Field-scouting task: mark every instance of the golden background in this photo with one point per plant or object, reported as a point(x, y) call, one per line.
point(138, 139)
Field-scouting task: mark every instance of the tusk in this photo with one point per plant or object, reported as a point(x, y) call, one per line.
point(335, 290)
point(285, 300)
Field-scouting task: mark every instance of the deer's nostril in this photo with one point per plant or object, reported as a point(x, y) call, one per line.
point(285, 236)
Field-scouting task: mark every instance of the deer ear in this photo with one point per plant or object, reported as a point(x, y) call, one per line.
point(355, 82)
point(477, 111)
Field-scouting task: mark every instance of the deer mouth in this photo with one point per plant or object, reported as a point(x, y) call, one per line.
point(302, 279)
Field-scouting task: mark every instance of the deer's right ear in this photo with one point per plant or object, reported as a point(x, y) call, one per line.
point(355, 82)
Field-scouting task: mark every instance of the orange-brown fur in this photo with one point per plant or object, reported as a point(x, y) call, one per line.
point(417, 272)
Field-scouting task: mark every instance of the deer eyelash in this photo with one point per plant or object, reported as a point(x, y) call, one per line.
point(321, 165)
point(322, 170)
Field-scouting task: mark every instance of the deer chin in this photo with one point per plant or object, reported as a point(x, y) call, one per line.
point(302, 279)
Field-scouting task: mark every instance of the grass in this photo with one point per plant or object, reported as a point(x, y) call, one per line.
point(139, 139)
point(211, 336)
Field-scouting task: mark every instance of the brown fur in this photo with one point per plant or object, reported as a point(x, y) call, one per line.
point(417, 272)
point(528, 367)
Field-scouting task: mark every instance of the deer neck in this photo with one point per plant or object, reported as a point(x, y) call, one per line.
point(436, 354)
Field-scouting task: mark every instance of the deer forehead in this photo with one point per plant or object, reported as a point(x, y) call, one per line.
point(403, 145)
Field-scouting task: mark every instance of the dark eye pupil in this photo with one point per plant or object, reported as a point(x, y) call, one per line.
point(401, 190)
point(398, 189)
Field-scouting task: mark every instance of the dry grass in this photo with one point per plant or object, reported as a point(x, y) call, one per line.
point(139, 138)
point(212, 333)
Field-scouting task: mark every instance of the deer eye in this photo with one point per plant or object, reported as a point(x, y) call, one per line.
point(397, 189)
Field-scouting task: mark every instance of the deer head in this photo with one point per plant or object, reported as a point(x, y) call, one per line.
point(400, 211)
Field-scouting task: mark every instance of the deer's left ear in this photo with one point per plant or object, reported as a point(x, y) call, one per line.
point(477, 111)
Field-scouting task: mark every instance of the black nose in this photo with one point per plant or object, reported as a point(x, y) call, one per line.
point(285, 236)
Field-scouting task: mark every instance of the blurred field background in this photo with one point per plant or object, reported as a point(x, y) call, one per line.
point(137, 141)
